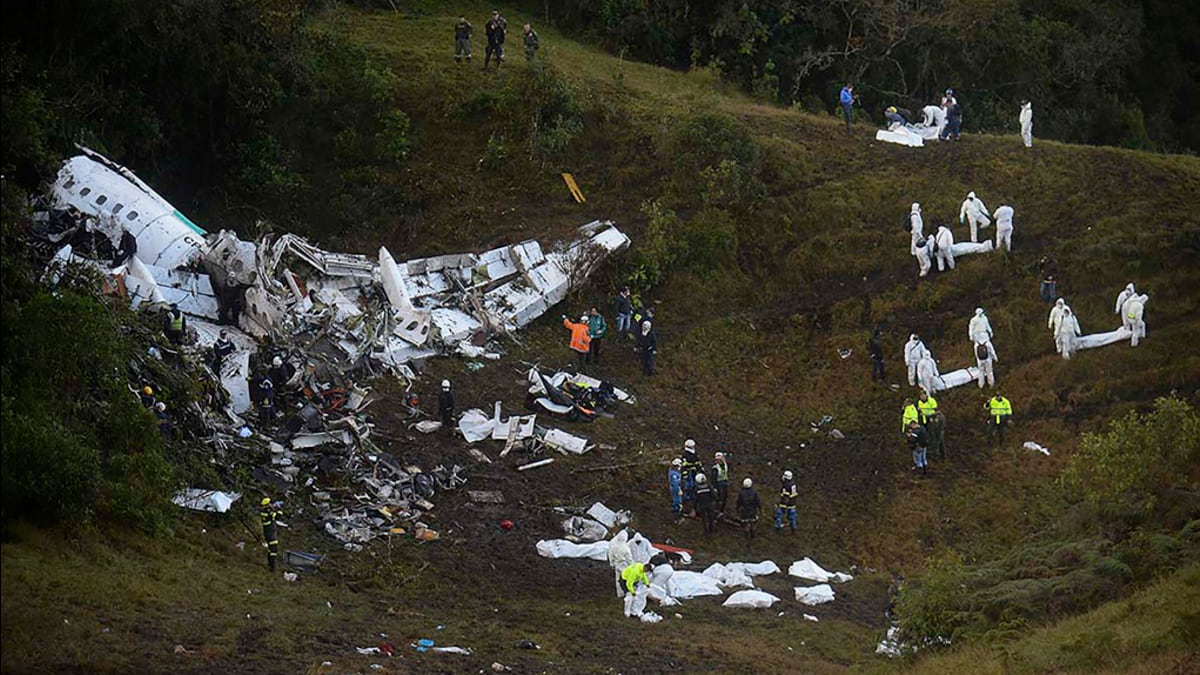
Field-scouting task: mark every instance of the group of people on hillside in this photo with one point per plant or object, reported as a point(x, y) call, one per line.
point(947, 116)
point(940, 246)
point(496, 30)
point(588, 334)
point(704, 493)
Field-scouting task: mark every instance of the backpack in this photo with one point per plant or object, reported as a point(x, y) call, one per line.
point(981, 352)
point(908, 223)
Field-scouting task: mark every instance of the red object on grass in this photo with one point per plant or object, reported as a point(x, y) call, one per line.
point(506, 524)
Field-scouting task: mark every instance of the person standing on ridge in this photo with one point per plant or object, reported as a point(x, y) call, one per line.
point(749, 505)
point(597, 331)
point(846, 98)
point(530, 39)
point(581, 339)
point(648, 346)
point(675, 485)
point(270, 524)
point(720, 480)
point(705, 503)
point(463, 30)
point(495, 28)
point(875, 349)
point(788, 494)
point(623, 307)
point(999, 411)
point(446, 405)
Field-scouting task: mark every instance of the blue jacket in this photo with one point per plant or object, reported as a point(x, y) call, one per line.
point(675, 480)
point(847, 98)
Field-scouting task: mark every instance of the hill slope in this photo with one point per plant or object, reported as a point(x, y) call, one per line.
point(776, 241)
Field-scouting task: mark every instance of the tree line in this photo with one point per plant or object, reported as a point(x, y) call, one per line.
point(1112, 72)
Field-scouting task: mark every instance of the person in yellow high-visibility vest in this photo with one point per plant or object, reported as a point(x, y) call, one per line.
point(174, 325)
point(270, 523)
point(637, 585)
point(910, 415)
point(999, 410)
point(931, 418)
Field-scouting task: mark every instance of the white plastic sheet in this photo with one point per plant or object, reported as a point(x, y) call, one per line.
point(475, 425)
point(814, 595)
point(956, 378)
point(756, 569)
point(1036, 447)
point(901, 136)
point(809, 569)
point(686, 584)
point(729, 577)
point(1103, 339)
point(750, 600)
point(561, 548)
point(961, 248)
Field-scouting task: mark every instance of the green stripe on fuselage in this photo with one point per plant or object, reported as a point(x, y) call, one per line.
point(189, 223)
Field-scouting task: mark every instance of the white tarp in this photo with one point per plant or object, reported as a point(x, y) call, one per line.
point(955, 378)
point(609, 518)
point(809, 569)
point(475, 425)
point(585, 529)
point(561, 548)
point(213, 501)
point(1102, 339)
point(961, 248)
point(814, 595)
point(902, 136)
point(750, 600)
point(756, 569)
point(729, 576)
point(686, 584)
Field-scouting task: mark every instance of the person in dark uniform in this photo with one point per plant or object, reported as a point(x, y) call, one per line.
point(270, 524)
point(462, 39)
point(446, 405)
point(495, 28)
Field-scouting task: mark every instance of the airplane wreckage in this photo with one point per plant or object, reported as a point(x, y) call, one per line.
point(349, 310)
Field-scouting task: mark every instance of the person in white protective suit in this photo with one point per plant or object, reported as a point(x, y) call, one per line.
point(1026, 119)
point(975, 213)
point(979, 327)
point(933, 116)
point(913, 349)
point(1067, 333)
point(985, 361)
point(1056, 315)
point(944, 244)
point(927, 372)
point(1125, 295)
point(1135, 308)
point(924, 253)
point(916, 227)
point(1004, 227)
point(620, 556)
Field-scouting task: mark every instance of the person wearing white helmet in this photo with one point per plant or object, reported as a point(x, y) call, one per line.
point(647, 342)
point(675, 485)
point(979, 327)
point(974, 213)
point(720, 480)
point(446, 404)
point(788, 494)
point(581, 338)
point(749, 505)
point(706, 503)
point(691, 466)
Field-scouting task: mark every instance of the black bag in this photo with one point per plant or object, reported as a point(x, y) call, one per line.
point(908, 223)
point(981, 352)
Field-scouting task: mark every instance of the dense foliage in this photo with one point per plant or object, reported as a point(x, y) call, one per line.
point(1109, 72)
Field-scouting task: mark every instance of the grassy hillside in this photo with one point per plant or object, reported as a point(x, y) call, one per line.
point(776, 240)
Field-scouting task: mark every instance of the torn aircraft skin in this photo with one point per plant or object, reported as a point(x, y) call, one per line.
point(349, 308)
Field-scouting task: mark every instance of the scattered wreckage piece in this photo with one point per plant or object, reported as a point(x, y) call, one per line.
point(213, 501)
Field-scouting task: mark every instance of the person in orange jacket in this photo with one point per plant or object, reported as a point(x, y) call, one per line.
point(581, 338)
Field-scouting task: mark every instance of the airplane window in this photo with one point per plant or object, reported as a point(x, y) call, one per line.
point(101, 199)
point(117, 208)
point(131, 215)
point(411, 326)
point(69, 184)
point(85, 192)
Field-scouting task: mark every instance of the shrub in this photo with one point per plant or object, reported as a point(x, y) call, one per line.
point(1138, 456)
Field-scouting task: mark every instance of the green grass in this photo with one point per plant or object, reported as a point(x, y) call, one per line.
point(748, 358)
point(1161, 620)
